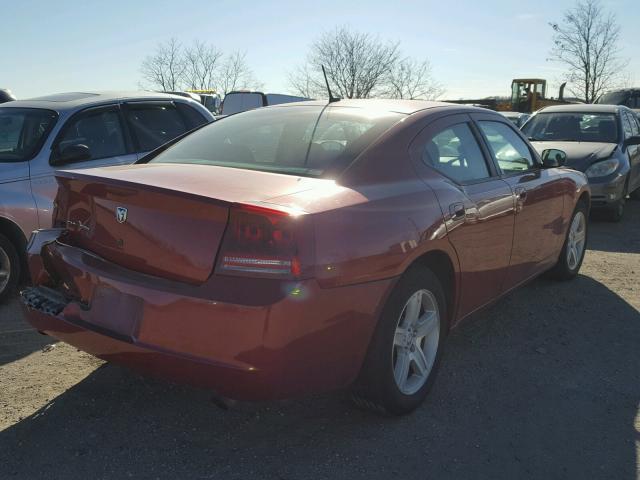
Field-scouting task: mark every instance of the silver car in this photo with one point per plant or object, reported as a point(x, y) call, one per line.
point(70, 131)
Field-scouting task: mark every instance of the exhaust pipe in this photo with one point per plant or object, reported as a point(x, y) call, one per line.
point(561, 93)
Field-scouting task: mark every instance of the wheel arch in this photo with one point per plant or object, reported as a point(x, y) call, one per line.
point(585, 199)
point(442, 265)
point(15, 235)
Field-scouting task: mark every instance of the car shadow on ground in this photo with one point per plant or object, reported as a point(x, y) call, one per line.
point(17, 338)
point(528, 389)
point(620, 237)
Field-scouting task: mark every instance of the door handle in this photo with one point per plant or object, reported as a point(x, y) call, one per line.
point(457, 211)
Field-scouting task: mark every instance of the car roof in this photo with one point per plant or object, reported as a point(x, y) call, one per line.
point(583, 108)
point(73, 100)
point(398, 106)
point(513, 114)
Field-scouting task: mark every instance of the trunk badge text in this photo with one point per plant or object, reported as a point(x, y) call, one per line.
point(121, 214)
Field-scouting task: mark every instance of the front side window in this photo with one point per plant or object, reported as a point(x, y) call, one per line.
point(23, 131)
point(100, 130)
point(154, 124)
point(634, 128)
point(572, 127)
point(509, 150)
point(455, 153)
point(311, 141)
point(626, 125)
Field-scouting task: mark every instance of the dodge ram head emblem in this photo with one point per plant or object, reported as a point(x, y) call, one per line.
point(121, 214)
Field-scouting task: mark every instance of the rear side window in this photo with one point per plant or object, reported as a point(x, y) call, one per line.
point(154, 124)
point(100, 130)
point(455, 153)
point(509, 150)
point(23, 131)
point(192, 117)
point(308, 140)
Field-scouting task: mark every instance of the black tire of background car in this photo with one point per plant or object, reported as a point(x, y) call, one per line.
point(561, 270)
point(14, 272)
point(615, 211)
point(375, 389)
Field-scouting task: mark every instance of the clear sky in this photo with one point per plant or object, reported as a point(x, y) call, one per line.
point(475, 47)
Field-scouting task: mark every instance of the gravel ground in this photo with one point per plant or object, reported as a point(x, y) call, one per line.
point(545, 384)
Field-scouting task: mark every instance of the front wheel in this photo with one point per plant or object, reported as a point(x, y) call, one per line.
point(9, 268)
point(574, 248)
point(405, 350)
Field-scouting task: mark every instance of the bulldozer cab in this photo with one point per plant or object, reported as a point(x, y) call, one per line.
point(527, 94)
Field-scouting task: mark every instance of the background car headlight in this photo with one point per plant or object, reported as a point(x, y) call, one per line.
point(602, 169)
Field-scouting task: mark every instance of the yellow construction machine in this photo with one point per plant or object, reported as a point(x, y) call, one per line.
point(527, 96)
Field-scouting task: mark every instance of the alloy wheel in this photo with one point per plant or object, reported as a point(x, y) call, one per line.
point(415, 342)
point(577, 239)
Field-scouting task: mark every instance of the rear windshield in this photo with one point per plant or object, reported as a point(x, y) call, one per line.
point(22, 132)
point(312, 141)
point(572, 127)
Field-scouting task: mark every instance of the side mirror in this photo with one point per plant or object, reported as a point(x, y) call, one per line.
point(72, 154)
point(553, 158)
point(635, 140)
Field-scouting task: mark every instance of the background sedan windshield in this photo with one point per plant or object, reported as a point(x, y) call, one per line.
point(22, 131)
point(306, 140)
point(573, 127)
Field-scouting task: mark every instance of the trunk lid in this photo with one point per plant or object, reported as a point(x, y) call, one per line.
point(165, 220)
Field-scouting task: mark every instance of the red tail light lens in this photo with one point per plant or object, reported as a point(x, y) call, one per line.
point(260, 242)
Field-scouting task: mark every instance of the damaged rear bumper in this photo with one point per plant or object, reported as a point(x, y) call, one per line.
point(244, 338)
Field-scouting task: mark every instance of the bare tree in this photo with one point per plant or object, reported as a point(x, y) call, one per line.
point(306, 83)
point(587, 43)
point(410, 79)
point(166, 67)
point(235, 74)
point(357, 63)
point(201, 64)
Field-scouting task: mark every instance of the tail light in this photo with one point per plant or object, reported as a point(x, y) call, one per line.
point(263, 242)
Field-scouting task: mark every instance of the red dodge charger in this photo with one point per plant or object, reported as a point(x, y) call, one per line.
point(305, 247)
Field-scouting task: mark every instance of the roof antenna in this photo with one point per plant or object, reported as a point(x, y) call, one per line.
point(331, 97)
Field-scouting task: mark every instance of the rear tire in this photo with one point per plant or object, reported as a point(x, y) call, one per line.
point(404, 354)
point(9, 268)
point(573, 251)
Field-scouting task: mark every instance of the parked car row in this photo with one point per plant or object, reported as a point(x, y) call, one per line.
point(297, 248)
point(237, 101)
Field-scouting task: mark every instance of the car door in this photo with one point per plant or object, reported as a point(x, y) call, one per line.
point(102, 130)
point(632, 129)
point(153, 123)
point(477, 205)
point(538, 195)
